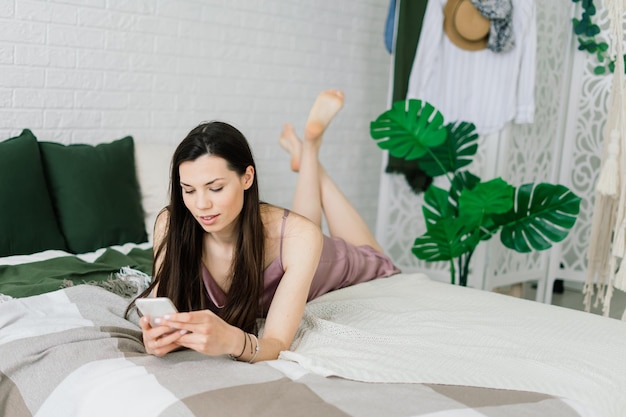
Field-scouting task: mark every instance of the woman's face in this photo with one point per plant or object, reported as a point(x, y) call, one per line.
point(213, 193)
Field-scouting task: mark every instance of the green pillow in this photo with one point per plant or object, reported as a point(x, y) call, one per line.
point(95, 193)
point(27, 220)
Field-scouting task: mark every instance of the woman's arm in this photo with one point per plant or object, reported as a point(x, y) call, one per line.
point(302, 248)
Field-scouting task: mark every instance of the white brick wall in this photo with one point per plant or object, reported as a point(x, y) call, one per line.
point(96, 70)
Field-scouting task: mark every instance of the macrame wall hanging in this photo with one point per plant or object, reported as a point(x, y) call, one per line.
point(607, 244)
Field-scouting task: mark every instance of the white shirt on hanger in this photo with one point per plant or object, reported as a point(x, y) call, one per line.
point(486, 88)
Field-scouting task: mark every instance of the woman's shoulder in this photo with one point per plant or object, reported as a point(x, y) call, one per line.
point(269, 212)
point(278, 220)
point(160, 224)
point(164, 214)
point(299, 238)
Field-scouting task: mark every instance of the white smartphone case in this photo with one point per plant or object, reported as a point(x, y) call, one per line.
point(155, 307)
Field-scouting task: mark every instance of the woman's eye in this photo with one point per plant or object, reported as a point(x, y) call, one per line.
point(188, 191)
point(217, 189)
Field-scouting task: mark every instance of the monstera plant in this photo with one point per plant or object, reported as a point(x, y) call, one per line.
point(529, 217)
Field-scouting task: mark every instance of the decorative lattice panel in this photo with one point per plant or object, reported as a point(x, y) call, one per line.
point(534, 152)
point(584, 142)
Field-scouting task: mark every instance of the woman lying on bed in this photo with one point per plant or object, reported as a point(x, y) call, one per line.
point(225, 258)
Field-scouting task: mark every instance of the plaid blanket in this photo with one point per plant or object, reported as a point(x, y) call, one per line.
point(71, 353)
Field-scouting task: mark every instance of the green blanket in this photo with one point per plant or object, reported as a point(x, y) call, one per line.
point(44, 276)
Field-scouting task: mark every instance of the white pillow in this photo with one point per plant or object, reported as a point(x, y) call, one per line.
point(153, 172)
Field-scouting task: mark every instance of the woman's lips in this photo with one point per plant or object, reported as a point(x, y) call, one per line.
point(208, 220)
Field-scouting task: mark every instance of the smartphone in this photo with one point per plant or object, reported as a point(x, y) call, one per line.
point(155, 307)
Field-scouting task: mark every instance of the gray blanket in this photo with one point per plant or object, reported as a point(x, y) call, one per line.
point(71, 353)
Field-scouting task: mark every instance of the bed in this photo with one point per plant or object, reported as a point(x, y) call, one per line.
point(401, 346)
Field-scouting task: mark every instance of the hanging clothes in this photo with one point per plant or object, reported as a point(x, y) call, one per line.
point(499, 13)
point(482, 87)
point(390, 26)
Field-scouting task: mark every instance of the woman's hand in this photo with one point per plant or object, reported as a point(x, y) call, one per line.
point(161, 339)
point(202, 331)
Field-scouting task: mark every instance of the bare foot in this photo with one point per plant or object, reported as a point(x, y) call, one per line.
point(291, 143)
point(326, 106)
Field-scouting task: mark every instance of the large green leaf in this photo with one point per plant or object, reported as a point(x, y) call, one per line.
point(445, 240)
point(542, 214)
point(461, 181)
point(492, 197)
point(477, 205)
point(455, 153)
point(409, 129)
point(436, 205)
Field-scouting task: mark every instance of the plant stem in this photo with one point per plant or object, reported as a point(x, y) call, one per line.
point(452, 271)
point(445, 171)
point(465, 272)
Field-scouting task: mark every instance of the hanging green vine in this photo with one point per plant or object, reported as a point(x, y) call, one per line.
point(586, 31)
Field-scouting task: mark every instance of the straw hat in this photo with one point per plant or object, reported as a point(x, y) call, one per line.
point(465, 26)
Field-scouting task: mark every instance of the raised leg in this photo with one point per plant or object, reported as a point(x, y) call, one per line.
point(316, 193)
point(343, 219)
point(307, 199)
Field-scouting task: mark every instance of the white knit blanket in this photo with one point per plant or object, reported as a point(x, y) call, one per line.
point(408, 328)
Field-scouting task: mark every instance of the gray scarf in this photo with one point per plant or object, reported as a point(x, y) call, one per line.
point(499, 12)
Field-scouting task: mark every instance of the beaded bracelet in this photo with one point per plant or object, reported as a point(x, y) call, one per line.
point(257, 349)
point(242, 350)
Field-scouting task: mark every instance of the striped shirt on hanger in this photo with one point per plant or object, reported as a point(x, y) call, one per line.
point(486, 88)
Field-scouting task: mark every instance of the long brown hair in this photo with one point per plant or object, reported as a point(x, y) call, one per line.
point(179, 276)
